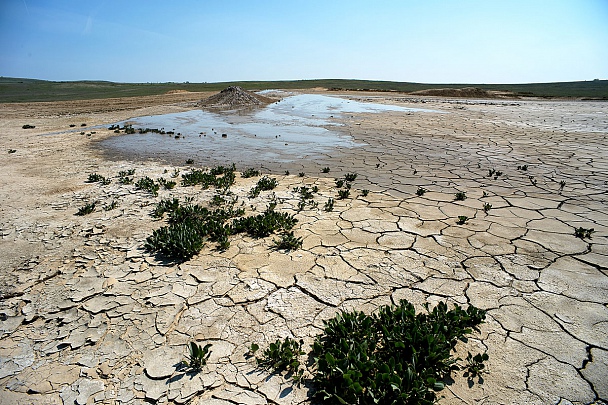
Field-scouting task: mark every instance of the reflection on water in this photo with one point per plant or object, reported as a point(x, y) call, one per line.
point(297, 127)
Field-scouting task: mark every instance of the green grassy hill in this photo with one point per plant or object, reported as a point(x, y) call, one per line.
point(26, 90)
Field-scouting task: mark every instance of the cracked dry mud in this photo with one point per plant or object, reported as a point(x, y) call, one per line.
point(88, 316)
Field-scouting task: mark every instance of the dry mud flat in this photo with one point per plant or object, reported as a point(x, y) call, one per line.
point(88, 316)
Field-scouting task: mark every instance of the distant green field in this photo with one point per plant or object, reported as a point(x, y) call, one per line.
point(26, 90)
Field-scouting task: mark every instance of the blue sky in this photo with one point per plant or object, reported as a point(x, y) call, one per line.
point(429, 41)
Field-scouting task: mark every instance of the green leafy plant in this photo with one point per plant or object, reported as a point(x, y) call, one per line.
point(325, 170)
point(288, 242)
point(147, 184)
point(125, 180)
point(583, 233)
point(339, 183)
point(487, 207)
point(86, 209)
point(250, 173)
point(343, 194)
point(189, 161)
point(301, 174)
point(392, 357)
point(286, 172)
point(475, 366)
point(329, 205)
point(264, 184)
point(350, 177)
point(198, 356)
point(420, 192)
point(12, 150)
point(523, 168)
point(95, 178)
point(460, 196)
point(562, 184)
point(28, 126)
point(462, 219)
point(281, 356)
point(364, 193)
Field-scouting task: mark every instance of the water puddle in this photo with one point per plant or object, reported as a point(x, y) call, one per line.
point(297, 127)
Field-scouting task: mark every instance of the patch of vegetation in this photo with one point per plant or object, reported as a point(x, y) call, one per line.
point(487, 207)
point(392, 357)
point(301, 174)
point(350, 177)
point(189, 161)
point(475, 367)
point(288, 242)
point(219, 177)
point(339, 183)
point(167, 184)
point(12, 151)
point(147, 184)
point(562, 184)
point(343, 194)
point(265, 224)
point(28, 126)
point(165, 205)
point(364, 192)
point(197, 357)
point(523, 168)
point(420, 192)
point(583, 233)
point(251, 172)
point(462, 219)
point(95, 178)
point(282, 356)
point(329, 205)
point(264, 184)
point(86, 209)
point(126, 173)
point(460, 196)
point(325, 170)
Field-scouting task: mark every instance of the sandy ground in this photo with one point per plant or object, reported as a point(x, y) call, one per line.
point(88, 316)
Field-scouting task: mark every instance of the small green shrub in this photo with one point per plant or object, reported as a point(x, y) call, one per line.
point(350, 177)
point(487, 207)
point(339, 183)
point(28, 126)
point(286, 172)
point(562, 184)
point(301, 174)
point(179, 241)
point(343, 194)
point(523, 168)
point(250, 173)
point(264, 184)
point(329, 205)
point(460, 196)
point(288, 242)
point(281, 356)
point(111, 206)
point(462, 219)
point(420, 192)
point(475, 366)
point(364, 193)
point(125, 180)
point(198, 356)
point(165, 205)
point(86, 209)
point(392, 357)
point(12, 151)
point(189, 161)
point(583, 233)
point(95, 178)
point(147, 184)
point(325, 170)
point(167, 184)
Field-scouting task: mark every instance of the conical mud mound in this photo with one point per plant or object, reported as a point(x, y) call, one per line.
point(235, 97)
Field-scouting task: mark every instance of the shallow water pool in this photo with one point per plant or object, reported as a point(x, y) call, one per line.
point(296, 127)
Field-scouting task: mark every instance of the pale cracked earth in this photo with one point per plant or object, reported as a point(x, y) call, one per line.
point(88, 316)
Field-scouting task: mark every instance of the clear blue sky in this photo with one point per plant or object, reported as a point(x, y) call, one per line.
point(430, 41)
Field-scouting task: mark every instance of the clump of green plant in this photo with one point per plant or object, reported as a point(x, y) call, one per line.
point(301, 174)
point(475, 366)
point(264, 184)
point(86, 209)
point(339, 183)
point(28, 126)
point(329, 205)
point(281, 356)
point(460, 196)
point(325, 170)
point(251, 172)
point(286, 172)
point(487, 207)
point(343, 194)
point(125, 173)
point(350, 177)
point(97, 178)
point(462, 219)
point(125, 180)
point(147, 184)
point(523, 168)
point(197, 357)
point(167, 184)
point(265, 224)
point(583, 233)
point(364, 192)
point(220, 177)
point(189, 161)
point(111, 206)
point(562, 184)
point(165, 205)
point(288, 242)
point(175, 174)
point(420, 192)
point(392, 357)
point(12, 151)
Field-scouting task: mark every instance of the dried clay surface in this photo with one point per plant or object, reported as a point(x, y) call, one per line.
point(88, 316)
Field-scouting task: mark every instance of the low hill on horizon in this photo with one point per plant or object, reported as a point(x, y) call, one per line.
point(30, 90)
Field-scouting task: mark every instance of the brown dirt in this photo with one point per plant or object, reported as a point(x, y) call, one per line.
point(235, 97)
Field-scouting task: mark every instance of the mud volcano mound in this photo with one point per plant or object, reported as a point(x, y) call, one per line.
point(235, 97)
